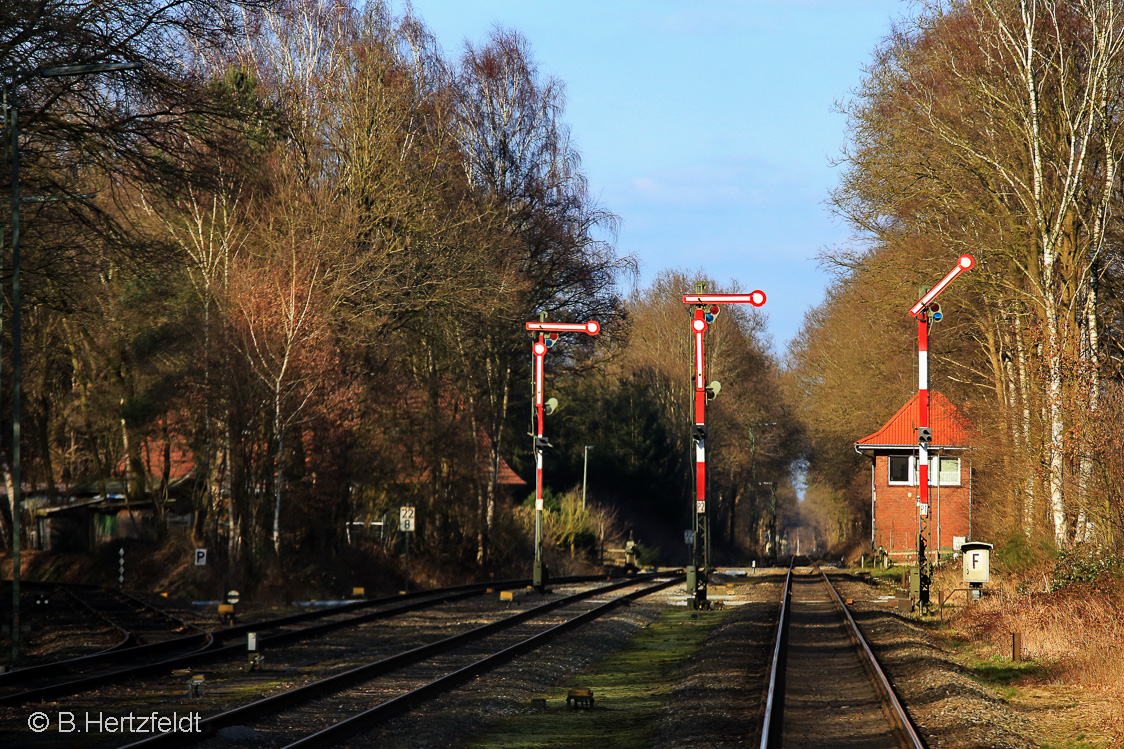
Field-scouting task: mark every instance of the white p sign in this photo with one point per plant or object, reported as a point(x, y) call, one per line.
point(200, 557)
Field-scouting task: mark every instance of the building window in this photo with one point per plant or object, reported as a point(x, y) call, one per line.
point(901, 469)
point(950, 471)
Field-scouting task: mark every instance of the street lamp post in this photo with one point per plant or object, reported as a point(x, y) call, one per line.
point(923, 309)
point(547, 336)
point(706, 311)
point(752, 470)
point(774, 542)
point(585, 470)
point(11, 119)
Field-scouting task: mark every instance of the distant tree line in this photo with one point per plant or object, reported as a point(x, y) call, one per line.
point(299, 249)
point(637, 410)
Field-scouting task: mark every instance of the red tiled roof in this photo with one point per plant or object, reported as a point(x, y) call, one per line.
point(183, 464)
point(152, 455)
point(450, 402)
point(421, 474)
point(507, 476)
point(950, 427)
point(417, 472)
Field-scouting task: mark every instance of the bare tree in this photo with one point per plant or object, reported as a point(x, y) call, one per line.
point(987, 126)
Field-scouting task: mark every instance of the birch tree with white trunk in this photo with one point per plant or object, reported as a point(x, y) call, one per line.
point(996, 134)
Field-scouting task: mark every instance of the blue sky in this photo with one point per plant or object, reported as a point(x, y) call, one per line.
point(708, 127)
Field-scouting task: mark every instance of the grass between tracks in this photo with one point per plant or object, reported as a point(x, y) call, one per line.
point(630, 689)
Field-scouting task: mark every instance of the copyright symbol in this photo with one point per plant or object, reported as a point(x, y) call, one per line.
point(39, 722)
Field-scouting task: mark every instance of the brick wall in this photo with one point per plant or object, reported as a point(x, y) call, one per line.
point(896, 515)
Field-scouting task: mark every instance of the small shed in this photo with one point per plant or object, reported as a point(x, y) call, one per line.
point(894, 496)
point(67, 527)
point(83, 524)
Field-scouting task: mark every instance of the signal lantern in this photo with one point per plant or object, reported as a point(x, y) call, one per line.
point(935, 311)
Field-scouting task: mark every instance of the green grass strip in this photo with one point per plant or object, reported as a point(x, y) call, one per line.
point(630, 689)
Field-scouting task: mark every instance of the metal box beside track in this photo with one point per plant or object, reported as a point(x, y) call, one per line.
point(977, 561)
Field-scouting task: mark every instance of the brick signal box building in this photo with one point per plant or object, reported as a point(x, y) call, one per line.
point(895, 519)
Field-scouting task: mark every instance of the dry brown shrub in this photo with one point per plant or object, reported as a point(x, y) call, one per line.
point(1073, 633)
point(1113, 724)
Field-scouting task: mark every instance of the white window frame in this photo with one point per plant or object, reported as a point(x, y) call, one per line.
point(949, 459)
point(934, 462)
point(911, 480)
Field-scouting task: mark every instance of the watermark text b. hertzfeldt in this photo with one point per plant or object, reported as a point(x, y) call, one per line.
point(65, 721)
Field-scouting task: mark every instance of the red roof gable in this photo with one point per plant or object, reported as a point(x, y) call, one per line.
point(507, 476)
point(950, 428)
point(181, 463)
point(418, 473)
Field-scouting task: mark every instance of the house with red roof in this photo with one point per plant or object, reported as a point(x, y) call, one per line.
point(894, 497)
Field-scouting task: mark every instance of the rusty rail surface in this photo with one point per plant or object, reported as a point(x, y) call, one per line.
point(359, 674)
point(774, 700)
point(882, 684)
point(773, 721)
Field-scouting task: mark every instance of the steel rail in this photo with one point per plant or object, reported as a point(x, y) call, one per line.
point(68, 588)
point(774, 700)
point(127, 637)
point(159, 611)
point(881, 682)
point(209, 641)
point(403, 703)
point(117, 653)
point(345, 679)
point(130, 637)
point(211, 651)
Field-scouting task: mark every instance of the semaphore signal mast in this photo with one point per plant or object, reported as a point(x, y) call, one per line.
point(707, 307)
point(547, 337)
point(926, 308)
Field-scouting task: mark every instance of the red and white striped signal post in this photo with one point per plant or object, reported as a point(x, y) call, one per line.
point(926, 308)
point(547, 336)
point(707, 307)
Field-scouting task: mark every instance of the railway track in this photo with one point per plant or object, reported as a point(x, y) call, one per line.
point(86, 619)
point(329, 710)
point(138, 622)
point(826, 688)
point(125, 662)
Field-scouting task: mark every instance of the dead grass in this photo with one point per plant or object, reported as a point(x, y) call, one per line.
point(1072, 637)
